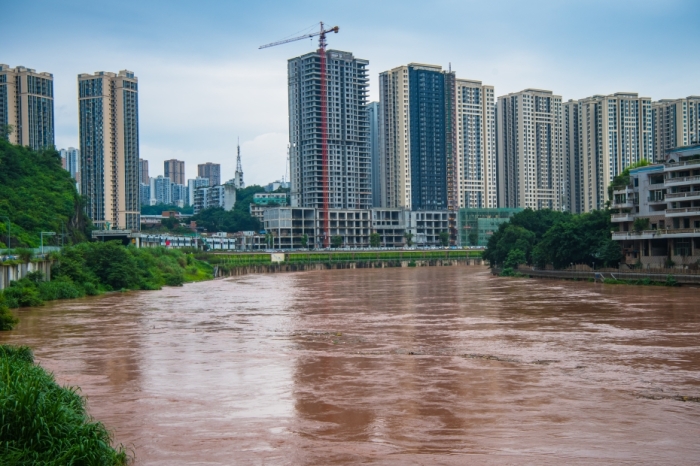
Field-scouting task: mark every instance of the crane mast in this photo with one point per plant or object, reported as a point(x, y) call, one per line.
point(325, 186)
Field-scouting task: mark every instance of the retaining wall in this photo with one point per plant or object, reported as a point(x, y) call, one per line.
point(602, 276)
point(282, 267)
point(10, 273)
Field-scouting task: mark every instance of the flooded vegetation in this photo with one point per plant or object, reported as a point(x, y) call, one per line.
point(442, 365)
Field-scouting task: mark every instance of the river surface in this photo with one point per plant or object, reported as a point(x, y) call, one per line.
point(433, 365)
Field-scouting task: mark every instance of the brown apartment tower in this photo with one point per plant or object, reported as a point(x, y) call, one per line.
point(175, 170)
point(210, 171)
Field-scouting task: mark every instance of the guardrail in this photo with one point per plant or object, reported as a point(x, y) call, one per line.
point(602, 275)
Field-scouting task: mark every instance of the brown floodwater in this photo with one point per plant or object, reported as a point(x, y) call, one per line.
point(434, 365)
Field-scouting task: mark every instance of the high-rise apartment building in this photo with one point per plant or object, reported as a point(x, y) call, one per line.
point(418, 150)
point(26, 107)
point(175, 170)
point(143, 171)
point(109, 148)
point(349, 163)
point(373, 116)
point(530, 150)
point(476, 145)
point(192, 186)
point(161, 190)
point(676, 123)
point(70, 158)
point(614, 131)
point(572, 157)
point(210, 171)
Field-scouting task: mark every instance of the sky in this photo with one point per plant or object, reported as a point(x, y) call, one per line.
point(204, 84)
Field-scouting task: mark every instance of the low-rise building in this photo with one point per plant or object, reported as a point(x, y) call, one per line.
point(288, 225)
point(658, 212)
point(262, 201)
point(476, 226)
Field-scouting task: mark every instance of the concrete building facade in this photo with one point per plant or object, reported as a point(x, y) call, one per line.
point(143, 172)
point(161, 190)
point(676, 123)
point(192, 185)
point(349, 161)
point(70, 160)
point(175, 170)
point(476, 144)
point(658, 213)
point(418, 147)
point(373, 116)
point(109, 148)
point(26, 105)
point(572, 157)
point(210, 171)
point(614, 132)
point(530, 150)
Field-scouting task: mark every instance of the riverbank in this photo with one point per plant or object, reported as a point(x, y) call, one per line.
point(615, 277)
point(44, 423)
point(90, 269)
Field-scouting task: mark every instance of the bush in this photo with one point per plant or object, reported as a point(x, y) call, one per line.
point(43, 423)
point(7, 320)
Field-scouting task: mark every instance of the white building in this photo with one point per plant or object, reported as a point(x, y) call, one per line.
point(676, 123)
point(161, 190)
point(192, 185)
point(612, 132)
point(531, 169)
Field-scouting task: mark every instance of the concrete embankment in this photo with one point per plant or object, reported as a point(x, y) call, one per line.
point(14, 272)
point(233, 271)
point(607, 275)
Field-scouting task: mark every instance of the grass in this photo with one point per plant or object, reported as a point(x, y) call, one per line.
point(44, 423)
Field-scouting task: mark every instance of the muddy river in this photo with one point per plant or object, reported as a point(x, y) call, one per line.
point(439, 365)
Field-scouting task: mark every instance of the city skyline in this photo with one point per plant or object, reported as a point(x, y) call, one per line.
point(242, 91)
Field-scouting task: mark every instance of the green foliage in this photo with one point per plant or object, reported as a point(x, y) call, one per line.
point(549, 237)
point(409, 238)
point(514, 259)
point(92, 268)
point(375, 240)
point(623, 179)
point(304, 240)
point(640, 224)
point(473, 238)
point(336, 241)
point(7, 320)
point(43, 423)
point(671, 281)
point(444, 238)
point(216, 219)
point(509, 272)
point(37, 195)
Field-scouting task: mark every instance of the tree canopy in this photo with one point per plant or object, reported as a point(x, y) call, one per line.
point(37, 195)
point(545, 237)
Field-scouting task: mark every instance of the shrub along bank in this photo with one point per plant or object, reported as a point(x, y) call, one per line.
point(43, 423)
point(93, 268)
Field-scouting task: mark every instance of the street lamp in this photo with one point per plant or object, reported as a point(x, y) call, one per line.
point(47, 233)
point(9, 225)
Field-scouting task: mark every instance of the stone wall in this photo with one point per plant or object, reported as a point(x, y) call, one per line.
point(10, 273)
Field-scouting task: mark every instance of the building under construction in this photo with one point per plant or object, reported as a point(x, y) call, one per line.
point(347, 123)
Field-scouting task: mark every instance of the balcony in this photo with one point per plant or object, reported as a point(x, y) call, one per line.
point(682, 180)
point(687, 196)
point(656, 234)
point(681, 165)
point(627, 217)
point(682, 212)
point(628, 204)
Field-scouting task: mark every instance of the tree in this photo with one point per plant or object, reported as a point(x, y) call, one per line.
point(375, 240)
point(6, 130)
point(336, 241)
point(444, 238)
point(514, 259)
point(304, 240)
point(640, 224)
point(269, 239)
point(473, 238)
point(216, 219)
point(408, 236)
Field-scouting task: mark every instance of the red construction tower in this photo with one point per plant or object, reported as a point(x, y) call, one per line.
point(324, 121)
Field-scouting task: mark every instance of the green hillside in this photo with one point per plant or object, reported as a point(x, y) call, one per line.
point(37, 195)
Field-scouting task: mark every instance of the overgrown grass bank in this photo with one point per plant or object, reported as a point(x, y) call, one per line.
point(92, 268)
point(43, 423)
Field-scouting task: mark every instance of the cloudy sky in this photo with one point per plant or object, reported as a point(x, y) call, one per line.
point(203, 83)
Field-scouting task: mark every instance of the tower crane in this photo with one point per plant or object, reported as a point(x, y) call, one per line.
point(324, 118)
